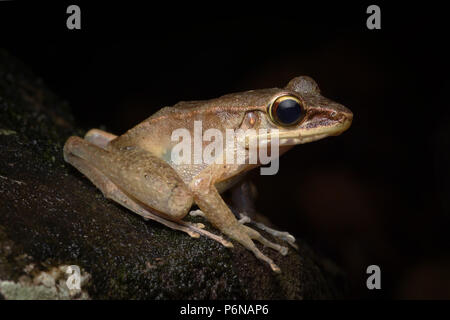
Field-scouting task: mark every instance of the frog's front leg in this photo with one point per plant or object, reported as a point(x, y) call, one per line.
point(104, 170)
point(217, 212)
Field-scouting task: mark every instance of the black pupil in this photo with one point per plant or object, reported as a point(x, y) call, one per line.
point(288, 111)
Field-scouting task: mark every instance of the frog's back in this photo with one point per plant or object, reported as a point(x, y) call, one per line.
point(154, 134)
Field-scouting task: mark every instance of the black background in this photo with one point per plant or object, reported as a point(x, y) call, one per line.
point(378, 194)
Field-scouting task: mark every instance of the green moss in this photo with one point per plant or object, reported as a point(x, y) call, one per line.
point(49, 285)
point(16, 291)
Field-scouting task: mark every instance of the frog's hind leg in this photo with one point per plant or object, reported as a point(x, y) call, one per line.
point(283, 235)
point(113, 192)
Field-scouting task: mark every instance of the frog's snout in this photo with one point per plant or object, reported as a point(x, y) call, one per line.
point(343, 118)
point(338, 112)
point(347, 114)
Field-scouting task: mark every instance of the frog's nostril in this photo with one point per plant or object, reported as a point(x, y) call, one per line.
point(341, 116)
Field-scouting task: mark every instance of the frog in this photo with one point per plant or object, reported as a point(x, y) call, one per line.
point(136, 169)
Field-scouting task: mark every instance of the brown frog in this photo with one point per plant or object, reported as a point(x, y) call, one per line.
point(137, 168)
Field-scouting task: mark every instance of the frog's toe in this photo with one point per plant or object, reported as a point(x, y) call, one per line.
point(244, 219)
point(255, 235)
point(282, 235)
point(199, 229)
point(245, 236)
point(195, 213)
point(192, 234)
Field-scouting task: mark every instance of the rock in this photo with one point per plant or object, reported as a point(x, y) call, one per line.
point(52, 217)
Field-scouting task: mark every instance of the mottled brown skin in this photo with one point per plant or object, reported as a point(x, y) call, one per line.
point(135, 169)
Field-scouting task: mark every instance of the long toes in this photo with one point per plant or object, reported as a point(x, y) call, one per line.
point(275, 246)
point(253, 234)
point(192, 234)
point(244, 236)
point(195, 213)
point(285, 236)
point(275, 268)
point(263, 257)
point(199, 229)
point(293, 245)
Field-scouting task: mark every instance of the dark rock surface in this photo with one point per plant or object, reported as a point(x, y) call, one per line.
point(51, 217)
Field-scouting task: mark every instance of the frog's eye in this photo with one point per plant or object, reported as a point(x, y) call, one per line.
point(286, 110)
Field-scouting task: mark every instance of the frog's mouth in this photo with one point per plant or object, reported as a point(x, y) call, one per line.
point(302, 136)
point(294, 136)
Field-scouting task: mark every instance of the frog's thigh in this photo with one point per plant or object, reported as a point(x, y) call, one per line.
point(110, 190)
point(142, 176)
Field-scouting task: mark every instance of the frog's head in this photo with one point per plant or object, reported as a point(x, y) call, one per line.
point(301, 114)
